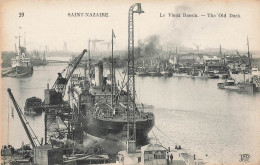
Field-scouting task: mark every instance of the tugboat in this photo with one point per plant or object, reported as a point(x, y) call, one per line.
point(228, 84)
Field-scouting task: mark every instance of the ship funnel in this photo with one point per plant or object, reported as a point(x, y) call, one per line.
point(99, 74)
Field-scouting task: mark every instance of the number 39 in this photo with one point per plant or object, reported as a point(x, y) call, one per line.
point(21, 14)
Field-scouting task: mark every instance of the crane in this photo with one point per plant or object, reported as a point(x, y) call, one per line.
point(29, 132)
point(107, 44)
point(197, 46)
point(94, 43)
point(61, 82)
point(131, 107)
point(242, 59)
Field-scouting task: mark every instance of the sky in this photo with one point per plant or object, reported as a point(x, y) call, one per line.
point(48, 23)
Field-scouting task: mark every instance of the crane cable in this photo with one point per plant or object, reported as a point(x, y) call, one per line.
point(164, 134)
point(158, 140)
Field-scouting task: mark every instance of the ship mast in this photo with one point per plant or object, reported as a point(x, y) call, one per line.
point(24, 40)
point(112, 70)
point(131, 107)
point(19, 46)
point(248, 53)
point(220, 52)
point(89, 63)
point(177, 58)
point(15, 48)
point(19, 40)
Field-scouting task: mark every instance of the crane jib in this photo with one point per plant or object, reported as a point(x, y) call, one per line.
point(61, 82)
point(19, 112)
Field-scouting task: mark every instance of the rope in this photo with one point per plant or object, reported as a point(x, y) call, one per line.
point(8, 123)
point(32, 132)
point(158, 140)
point(164, 134)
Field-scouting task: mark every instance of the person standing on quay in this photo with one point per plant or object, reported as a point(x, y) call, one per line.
point(168, 157)
point(171, 158)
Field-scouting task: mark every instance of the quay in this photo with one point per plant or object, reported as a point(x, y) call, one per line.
point(56, 61)
point(157, 154)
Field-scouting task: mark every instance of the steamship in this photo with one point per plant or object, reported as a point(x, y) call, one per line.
point(103, 110)
point(20, 64)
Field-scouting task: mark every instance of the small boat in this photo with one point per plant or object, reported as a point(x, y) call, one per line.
point(33, 105)
point(228, 84)
point(213, 76)
point(166, 73)
point(142, 71)
point(223, 76)
point(154, 73)
point(185, 75)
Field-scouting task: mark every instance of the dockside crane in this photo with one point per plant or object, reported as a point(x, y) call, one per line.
point(249, 56)
point(94, 43)
point(131, 107)
point(61, 82)
point(29, 132)
point(248, 65)
point(54, 105)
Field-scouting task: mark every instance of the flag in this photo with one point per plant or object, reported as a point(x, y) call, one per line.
point(113, 34)
point(20, 27)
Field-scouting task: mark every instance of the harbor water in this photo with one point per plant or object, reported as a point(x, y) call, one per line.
point(192, 113)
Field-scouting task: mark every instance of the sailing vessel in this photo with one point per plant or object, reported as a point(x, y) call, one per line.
point(103, 107)
point(250, 76)
point(142, 71)
point(154, 70)
point(167, 71)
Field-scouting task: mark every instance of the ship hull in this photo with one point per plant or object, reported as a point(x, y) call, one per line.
point(142, 74)
point(167, 74)
point(24, 70)
point(249, 87)
point(116, 130)
point(155, 74)
point(18, 71)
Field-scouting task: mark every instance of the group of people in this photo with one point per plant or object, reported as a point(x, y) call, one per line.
point(169, 156)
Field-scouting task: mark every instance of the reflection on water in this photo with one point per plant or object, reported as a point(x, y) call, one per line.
point(192, 112)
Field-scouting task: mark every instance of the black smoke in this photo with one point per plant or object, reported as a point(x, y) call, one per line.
point(149, 47)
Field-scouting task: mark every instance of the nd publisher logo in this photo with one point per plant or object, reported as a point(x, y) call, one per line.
point(244, 157)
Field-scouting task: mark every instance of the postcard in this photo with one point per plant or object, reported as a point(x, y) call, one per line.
point(130, 82)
